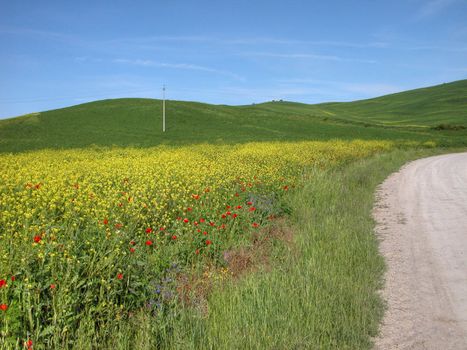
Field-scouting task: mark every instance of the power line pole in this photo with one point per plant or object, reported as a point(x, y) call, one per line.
point(163, 108)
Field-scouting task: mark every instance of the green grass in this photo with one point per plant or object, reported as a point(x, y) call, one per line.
point(137, 122)
point(416, 109)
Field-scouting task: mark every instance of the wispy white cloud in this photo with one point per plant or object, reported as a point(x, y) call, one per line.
point(84, 59)
point(161, 38)
point(370, 89)
point(307, 56)
point(282, 41)
point(188, 66)
point(437, 48)
point(360, 90)
point(242, 41)
point(163, 42)
point(43, 34)
point(245, 41)
point(461, 69)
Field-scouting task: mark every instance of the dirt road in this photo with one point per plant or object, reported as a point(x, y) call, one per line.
point(421, 213)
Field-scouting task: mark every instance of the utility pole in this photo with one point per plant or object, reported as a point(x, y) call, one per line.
point(163, 108)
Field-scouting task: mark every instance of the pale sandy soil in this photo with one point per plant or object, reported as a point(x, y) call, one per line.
point(421, 215)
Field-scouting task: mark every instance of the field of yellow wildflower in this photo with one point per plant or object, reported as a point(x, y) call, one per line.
point(102, 233)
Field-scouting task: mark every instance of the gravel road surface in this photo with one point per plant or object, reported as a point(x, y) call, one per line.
point(421, 214)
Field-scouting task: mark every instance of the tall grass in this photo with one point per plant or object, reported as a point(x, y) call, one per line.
point(322, 294)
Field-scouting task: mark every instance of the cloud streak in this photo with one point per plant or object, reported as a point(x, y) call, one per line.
point(307, 56)
point(362, 90)
point(280, 41)
point(185, 66)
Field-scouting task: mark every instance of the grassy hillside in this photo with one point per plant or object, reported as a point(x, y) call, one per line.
point(420, 108)
point(137, 122)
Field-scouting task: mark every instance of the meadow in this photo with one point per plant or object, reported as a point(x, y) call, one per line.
point(104, 234)
point(115, 235)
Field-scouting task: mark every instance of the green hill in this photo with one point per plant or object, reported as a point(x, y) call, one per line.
point(426, 107)
point(137, 122)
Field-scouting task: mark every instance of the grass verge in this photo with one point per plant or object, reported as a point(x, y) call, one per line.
point(323, 294)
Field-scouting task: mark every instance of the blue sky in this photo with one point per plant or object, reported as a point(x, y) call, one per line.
point(61, 53)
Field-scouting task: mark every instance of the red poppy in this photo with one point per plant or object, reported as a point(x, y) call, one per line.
point(236, 194)
point(13, 278)
point(255, 225)
point(252, 209)
point(195, 196)
point(148, 230)
point(228, 207)
point(189, 209)
point(3, 307)
point(195, 223)
point(228, 213)
point(208, 242)
point(234, 215)
point(250, 203)
point(132, 242)
point(224, 216)
point(29, 343)
point(132, 250)
point(162, 229)
point(211, 223)
point(118, 225)
point(207, 190)
point(186, 220)
point(286, 188)
point(53, 286)
point(120, 276)
point(179, 218)
point(205, 233)
point(197, 251)
point(202, 220)
point(37, 239)
point(105, 222)
point(148, 242)
point(2, 283)
point(239, 207)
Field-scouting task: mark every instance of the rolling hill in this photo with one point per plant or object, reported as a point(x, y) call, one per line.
point(426, 107)
point(410, 115)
